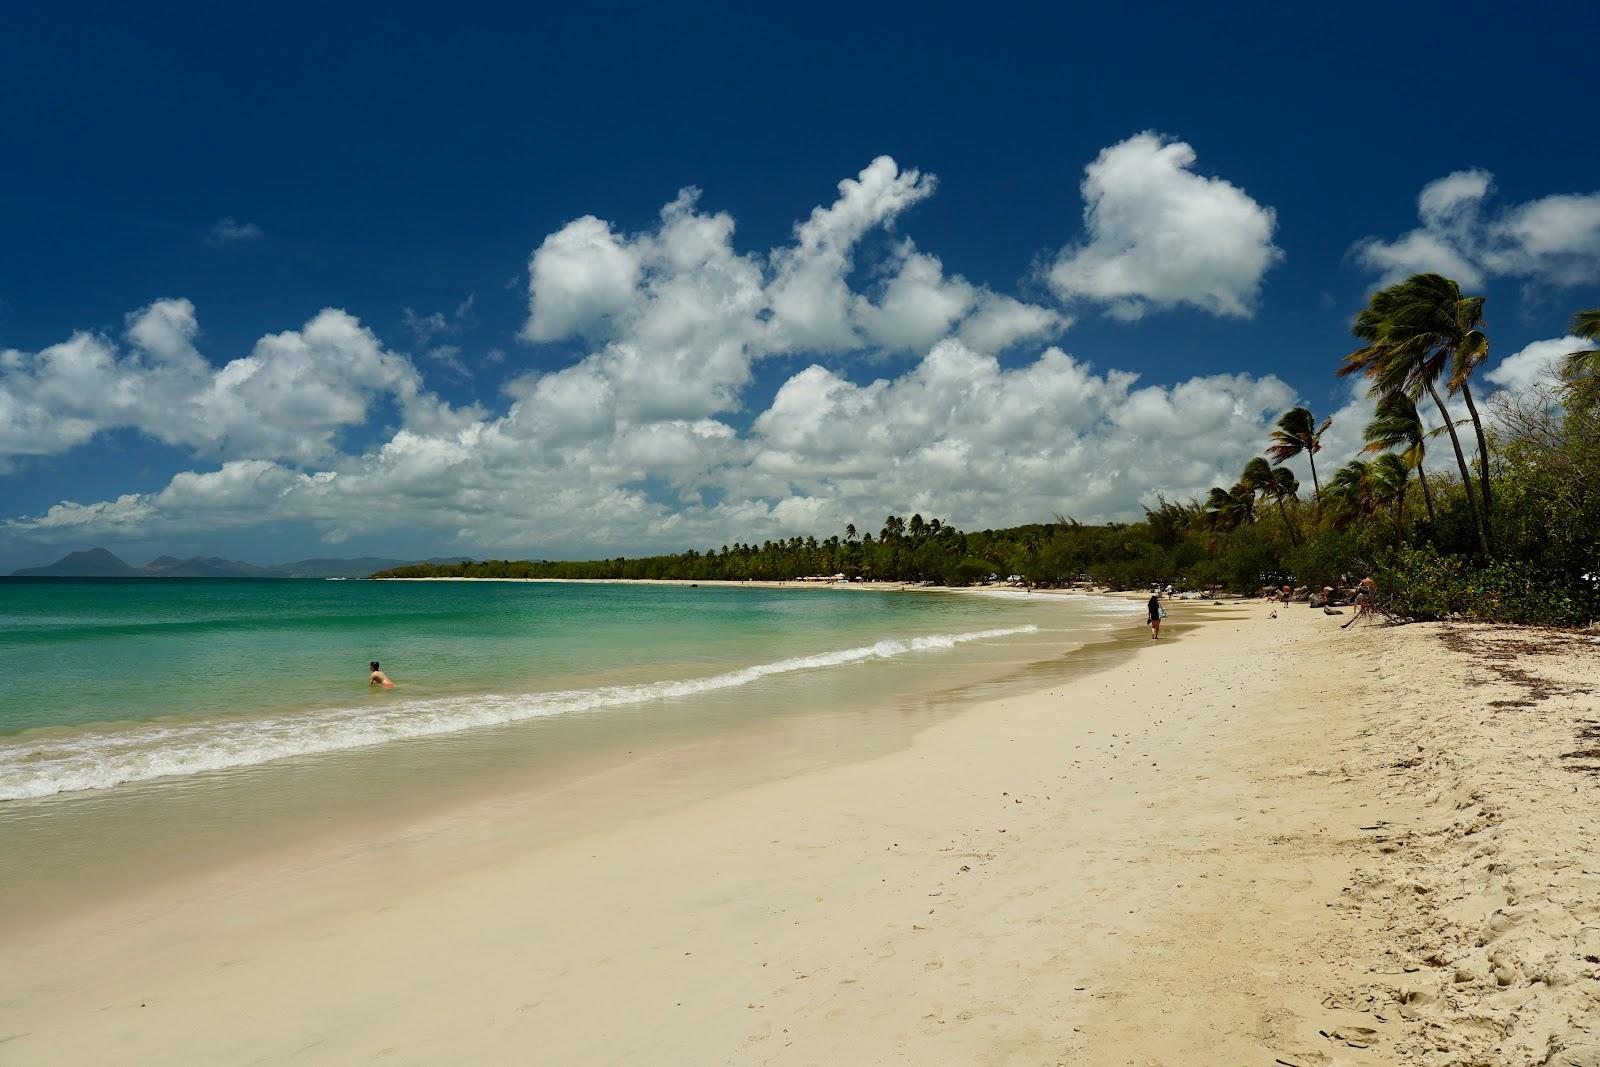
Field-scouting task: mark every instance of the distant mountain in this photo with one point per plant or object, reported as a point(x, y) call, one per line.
point(99, 563)
point(90, 563)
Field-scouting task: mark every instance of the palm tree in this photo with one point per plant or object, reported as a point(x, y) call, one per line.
point(1279, 483)
point(1298, 432)
point(1351, 489)
point(1469, 345)
point(1397, 425)
point(1415, 331)
point(1227, 511)
point(1389, 474)
point(1256, 474)
point(1253, 479)
point(849, 531)
point(1282, 485)
point(1584, 364)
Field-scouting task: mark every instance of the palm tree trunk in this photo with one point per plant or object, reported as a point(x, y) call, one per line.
point(1312, 459)
point(1466, 473)
point(1483, 451)
point(1427, 494)
point(1294, 542)
point(1399, 515)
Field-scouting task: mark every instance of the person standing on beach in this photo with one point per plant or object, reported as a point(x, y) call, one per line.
point(1154, 621)
point(379, 678)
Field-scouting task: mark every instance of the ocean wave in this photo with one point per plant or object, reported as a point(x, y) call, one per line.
point(1092, 603)
point(100, 758)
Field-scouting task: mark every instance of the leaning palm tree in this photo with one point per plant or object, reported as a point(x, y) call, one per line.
point(1397, 425)
point(1461, 324)
point(1298, 432)
point(1244, 503)
point(1584, 364)
point(1350, 492)
point(1261, 478)
point(1282, 485)
point(1226, 511)
point(1415, 331)
point(1257, 473)
point(1389, 474)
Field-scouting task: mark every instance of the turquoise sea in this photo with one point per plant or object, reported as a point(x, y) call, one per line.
point(114, 681)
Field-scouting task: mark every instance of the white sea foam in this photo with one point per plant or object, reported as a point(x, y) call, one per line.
point(100, 758)
point(1089, 603)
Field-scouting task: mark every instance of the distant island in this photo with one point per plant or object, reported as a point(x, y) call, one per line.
point(101, 563)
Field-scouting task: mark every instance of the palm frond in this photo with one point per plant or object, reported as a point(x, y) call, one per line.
point(1257, 475)
point(1580, 365)
point(1388, 474)
point(1587, 324)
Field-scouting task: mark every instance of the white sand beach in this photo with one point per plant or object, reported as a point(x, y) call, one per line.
point(1259, 840)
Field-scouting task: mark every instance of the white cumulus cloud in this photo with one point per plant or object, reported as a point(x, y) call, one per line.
point(1160, 235)
point(682, 286)
point(290, 398)
point(647, 437)
point(1537, 364)
point(578, 279)
point(1554, 240)
point(957, 434)
point(809, 298)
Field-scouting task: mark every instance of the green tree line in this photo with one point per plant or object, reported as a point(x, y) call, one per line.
point(903, 550)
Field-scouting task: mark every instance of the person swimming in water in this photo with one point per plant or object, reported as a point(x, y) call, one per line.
point(379, 678)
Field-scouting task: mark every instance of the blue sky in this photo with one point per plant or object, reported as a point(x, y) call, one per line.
point(401, 165)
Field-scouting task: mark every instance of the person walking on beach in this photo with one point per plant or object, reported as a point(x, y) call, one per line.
point(1154, 621)
point(379, 678)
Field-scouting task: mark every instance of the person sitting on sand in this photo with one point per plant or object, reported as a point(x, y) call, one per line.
point(1154, 621)
point(1366, 600)
point(379, 678)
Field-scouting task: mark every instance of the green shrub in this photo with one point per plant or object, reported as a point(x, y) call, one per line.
point(1420, 584)
point(1325, 558)
point(1519, 591)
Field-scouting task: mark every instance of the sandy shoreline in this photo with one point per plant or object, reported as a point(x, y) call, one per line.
point(1263, 839)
